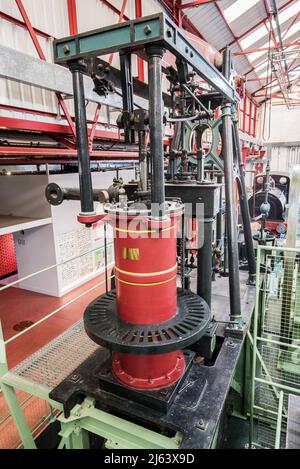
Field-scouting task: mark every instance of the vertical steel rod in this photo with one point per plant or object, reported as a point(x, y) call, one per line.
point(155, 55)
point(254, 350)
point(232, 243)
point(279, 420)
point(82, 143)
point(244, 202)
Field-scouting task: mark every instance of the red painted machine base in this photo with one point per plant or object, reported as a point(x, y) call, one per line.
point(148, 372)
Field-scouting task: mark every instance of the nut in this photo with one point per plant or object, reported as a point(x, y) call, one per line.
point(147, 29)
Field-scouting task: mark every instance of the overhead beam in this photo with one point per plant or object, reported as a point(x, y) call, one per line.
point(134, 36)
point(62, 152)
point(23, 68)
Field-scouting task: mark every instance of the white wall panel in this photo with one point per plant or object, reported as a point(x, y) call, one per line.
point(285, 124)
point(49, 16)
point(284, 158)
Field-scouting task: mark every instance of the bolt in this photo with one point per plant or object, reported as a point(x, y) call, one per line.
point(201, 424)
point(66, 49)
point(147, 29)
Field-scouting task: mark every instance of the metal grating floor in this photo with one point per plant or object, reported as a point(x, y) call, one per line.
point(293, 426)
point(56, 360)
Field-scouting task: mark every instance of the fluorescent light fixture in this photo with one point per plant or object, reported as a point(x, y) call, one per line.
point(254, 37)
point(238, 8)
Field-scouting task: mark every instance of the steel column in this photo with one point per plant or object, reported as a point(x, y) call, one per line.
point(82, 143)
point(155, 55)
point(231, 221)
point(243, 200)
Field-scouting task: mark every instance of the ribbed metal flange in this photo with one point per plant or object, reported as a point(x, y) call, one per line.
point(104, 327)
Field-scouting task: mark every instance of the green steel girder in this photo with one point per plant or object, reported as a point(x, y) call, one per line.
point(118, 433)
point(134, 36)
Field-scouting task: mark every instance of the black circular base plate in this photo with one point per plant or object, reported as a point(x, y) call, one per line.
point(104, 327)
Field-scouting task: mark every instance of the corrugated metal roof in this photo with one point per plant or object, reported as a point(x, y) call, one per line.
point(210, 19)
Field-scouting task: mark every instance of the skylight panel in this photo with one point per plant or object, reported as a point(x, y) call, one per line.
point(255, 55)
point(261, 68)
point(238, 8)
point(292, 31)
point(253, 37)
point(289, 12)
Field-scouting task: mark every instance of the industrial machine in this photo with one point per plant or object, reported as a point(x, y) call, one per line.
point(269, 201)
point(160, 334)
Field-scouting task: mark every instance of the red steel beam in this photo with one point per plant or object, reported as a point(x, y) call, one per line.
point(186, 23)
point(94, 126)
point(255, 121)
point(14, 123)
point(121, 17)
point(290, 25)
point(30, 29)
point(54, 152)
point(72, 14)
point(244, 113)
point(262, 49)
point(113, 8)
point(42, 57)
point(140, 62)
point(17, 22)
point(250, 117)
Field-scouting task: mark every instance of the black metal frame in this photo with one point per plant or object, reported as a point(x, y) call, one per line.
point(68, 51)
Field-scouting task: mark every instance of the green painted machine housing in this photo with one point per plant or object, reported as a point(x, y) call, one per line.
point(213, 156)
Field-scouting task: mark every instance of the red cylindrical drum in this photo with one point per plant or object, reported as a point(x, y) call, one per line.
point(145, 264)
point(148, 372)
point(146, 268)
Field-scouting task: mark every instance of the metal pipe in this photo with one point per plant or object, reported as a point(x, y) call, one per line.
point(82, 143)
point(243, 201)
point(55, 194)
point(219, 224)
point(186, 88)
point(200, 157)
point(232, 243)
point(155, 55)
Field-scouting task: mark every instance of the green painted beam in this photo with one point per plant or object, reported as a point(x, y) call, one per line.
point(117, 431)
point(134, 36)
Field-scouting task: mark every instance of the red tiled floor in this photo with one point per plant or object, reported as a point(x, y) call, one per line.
point(19, 305)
